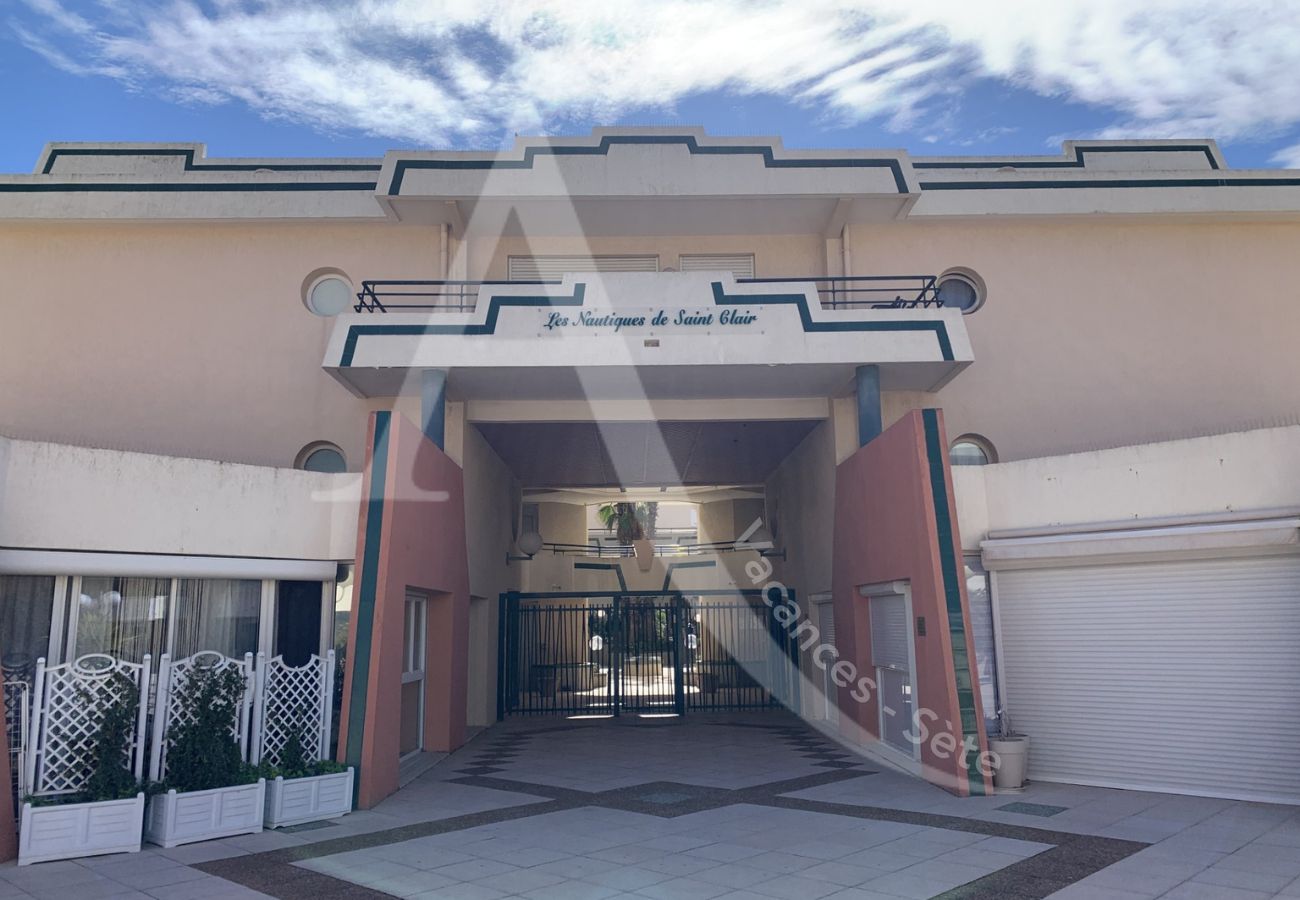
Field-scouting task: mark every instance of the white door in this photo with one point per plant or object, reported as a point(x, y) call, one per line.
point(411, 739)
point(826, 631)
point(893, 653)
point(1171, 676)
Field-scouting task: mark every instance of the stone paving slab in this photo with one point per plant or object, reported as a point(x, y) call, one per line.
point(756, 806)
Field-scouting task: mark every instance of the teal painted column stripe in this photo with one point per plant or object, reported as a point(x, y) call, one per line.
point(934, 452)
point(367, 584)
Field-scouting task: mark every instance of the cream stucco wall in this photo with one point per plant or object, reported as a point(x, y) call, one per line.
point(774, 255)
point(57, 497)
point(1107, 331)
point(490, 489)
point(1221, 476)
point(801, 498)
point(185, 339)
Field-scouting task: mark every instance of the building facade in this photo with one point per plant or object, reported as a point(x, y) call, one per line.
point(954, 444)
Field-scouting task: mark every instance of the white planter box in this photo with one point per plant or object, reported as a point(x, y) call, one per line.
point(70, 830)
point(203, 815)
point(298, 800)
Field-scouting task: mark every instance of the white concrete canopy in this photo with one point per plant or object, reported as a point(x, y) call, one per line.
point(652, 335)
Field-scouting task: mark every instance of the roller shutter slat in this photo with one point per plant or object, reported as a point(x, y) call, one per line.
point(1173, 676)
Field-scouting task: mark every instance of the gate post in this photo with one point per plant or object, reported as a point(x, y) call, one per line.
point(792, 673)
point(616, 653)
point(679, 676)
point(502, 624)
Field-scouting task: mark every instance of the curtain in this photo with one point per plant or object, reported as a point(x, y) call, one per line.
point(123, 617)
point(221, 614)
point(26, 609)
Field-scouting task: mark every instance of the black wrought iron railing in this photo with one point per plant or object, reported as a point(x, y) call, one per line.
point(835, 292)
point(623, 550)
point(866, 291)
point(646, 652)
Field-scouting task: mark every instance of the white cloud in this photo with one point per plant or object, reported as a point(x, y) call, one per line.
point(442, 72)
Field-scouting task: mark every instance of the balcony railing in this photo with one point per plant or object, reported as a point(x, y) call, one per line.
point(600, 550)
point(839, 292)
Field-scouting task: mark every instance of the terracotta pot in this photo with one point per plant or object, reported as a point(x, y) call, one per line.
point(645, 553)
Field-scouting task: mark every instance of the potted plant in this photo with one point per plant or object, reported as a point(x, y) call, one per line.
point(1011, 755)
point(208, 791)
point(107, 814)
point(301, 789)
point(633, 524)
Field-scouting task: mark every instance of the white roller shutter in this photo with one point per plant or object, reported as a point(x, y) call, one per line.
point(740, 265)
point(1168, 676)
point(547, 268)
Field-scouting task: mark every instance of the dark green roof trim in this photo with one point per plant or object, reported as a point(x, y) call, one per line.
point(694, 564)
point(192, 166)
point(488, 327)
point(1076, 163)
point(1104, 183)
point(800, 301)
point(616, 568)
point(602, 149)
point(199, 186)
point(937, 461)
point(720, 298)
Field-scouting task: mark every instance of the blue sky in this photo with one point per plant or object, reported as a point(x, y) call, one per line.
point(283, 78)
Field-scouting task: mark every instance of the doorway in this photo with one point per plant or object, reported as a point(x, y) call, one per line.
point(414, 644)
point(645, 652)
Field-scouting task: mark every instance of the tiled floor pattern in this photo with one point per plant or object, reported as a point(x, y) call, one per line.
point(740, 806)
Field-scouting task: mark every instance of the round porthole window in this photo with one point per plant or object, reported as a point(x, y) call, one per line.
point(321, 457)
point(961, 289)
point(328, 294)
point(972, 450)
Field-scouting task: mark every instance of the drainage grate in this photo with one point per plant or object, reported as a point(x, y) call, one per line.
point(306, 826)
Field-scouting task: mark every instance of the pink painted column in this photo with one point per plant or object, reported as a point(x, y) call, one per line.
point(410, 537)
point(896, 521)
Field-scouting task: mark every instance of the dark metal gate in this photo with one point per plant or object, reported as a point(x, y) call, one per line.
point(644, 652)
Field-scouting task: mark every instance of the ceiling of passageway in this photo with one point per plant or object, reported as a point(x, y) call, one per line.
point(588, 454)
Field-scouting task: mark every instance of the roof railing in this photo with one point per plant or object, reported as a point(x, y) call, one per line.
point(835, 292)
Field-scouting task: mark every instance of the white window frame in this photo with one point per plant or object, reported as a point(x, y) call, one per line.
point(830, 691)
point(683, 266)
point(574, 263)
point(415, 647)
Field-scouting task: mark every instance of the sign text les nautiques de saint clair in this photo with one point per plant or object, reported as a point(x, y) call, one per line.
point(682, 318)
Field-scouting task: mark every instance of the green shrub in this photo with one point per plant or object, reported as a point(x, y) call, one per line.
point(202, 750)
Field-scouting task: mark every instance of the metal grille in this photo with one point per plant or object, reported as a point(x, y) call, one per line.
point(64, 724)
point(172, 676)
point(741, 265)
point(642, 652)
point(292, 699)
point(529, 268)
point(17, 717)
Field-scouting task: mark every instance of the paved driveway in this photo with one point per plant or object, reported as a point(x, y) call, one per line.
point(735, 806)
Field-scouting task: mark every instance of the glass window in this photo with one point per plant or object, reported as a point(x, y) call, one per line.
point(221, 614)
point(962, 290)
point(981, 623)
point(322, 458)
point(971, 450)
point(26, 611)
point(123, 617)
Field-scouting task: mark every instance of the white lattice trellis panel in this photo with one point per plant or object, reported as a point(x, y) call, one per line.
point(293, 699)
point(62, 733)
point(172, 677)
